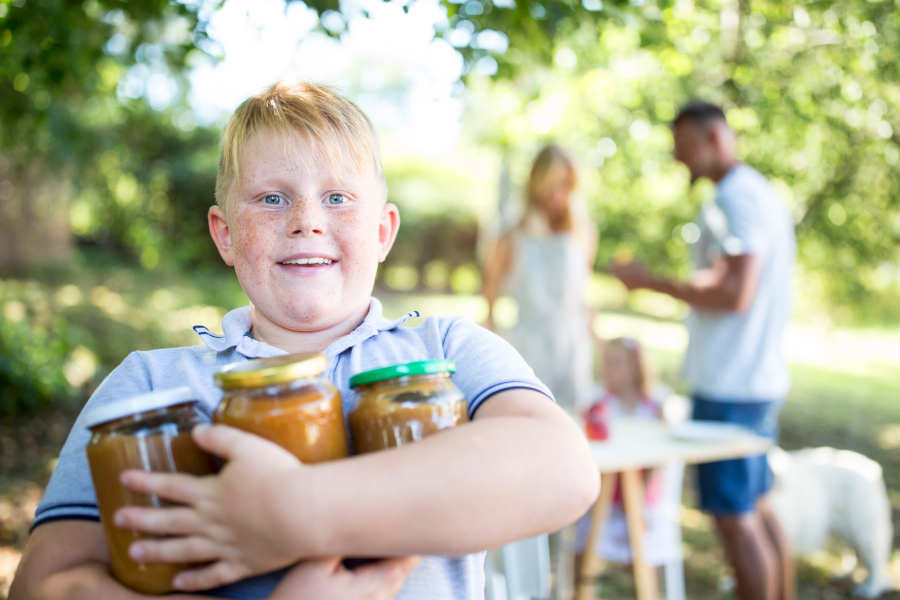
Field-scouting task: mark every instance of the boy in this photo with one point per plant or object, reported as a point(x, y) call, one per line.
point(302, 217)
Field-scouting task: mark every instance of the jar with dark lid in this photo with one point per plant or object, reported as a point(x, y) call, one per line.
point(151, 432)
point(285, 399)
point(404, 403)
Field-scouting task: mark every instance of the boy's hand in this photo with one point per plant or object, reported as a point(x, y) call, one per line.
point(228, 520)
point(327, 578)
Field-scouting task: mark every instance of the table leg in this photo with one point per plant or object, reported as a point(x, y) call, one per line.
point(633, 497)
point(599, 514)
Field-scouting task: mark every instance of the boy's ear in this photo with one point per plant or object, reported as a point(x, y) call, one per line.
point(220, 233)
point(387, 229)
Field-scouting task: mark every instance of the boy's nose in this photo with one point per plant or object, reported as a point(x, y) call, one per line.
point(306, 218)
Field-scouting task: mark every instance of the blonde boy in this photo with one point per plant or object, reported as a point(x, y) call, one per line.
point(302, 217)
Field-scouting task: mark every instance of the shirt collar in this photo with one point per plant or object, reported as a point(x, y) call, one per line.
point(236, 333)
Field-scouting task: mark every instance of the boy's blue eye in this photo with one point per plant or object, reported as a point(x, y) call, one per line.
point(273, 200)
point(335, 198)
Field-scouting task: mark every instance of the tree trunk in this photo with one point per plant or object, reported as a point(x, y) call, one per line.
point(34, 216)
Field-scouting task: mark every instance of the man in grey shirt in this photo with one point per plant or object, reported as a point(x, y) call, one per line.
point(740, 299)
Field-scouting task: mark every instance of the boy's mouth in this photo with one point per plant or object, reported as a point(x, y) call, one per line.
point(315, 260)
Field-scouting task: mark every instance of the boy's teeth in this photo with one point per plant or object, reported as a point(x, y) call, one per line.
point(308, 261)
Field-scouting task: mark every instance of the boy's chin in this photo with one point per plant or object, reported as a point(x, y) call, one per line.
point(316, 316)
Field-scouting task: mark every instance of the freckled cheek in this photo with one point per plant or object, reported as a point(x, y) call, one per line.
point(251, 247)
point(359, 241)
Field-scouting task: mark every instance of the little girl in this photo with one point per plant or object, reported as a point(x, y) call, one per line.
point(627, 393)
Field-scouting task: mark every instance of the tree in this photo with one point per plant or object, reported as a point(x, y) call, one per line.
point(811, 88)
point(63, 80)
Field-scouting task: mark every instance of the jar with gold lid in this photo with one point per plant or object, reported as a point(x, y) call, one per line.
point(404, 403)
point(151, 432)
point(287, 400)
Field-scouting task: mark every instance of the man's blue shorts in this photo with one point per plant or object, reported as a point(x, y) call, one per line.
point(732, 487)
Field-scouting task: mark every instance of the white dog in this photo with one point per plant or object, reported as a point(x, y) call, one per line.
point(823, 491)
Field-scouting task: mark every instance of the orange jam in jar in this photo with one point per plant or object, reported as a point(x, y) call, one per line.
point(404, 403)
point(286, 400)
point(151, 432)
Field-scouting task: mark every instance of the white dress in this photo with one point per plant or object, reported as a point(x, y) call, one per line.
point(547, 280)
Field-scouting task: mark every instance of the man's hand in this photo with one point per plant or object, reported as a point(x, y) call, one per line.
point(229, 521)
point(632, 273)
point(327, 578)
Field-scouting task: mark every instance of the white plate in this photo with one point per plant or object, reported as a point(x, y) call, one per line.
point(705, 431)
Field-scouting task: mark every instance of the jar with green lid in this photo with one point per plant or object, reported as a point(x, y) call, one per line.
point(404, 403)
point(287, 400)
point(150, 432)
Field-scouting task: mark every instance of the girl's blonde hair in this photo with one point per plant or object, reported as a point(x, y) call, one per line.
point(632, 349)
point(338, 129)
point(548, 156)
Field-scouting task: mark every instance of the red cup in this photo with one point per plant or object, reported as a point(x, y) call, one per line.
point(596, 421)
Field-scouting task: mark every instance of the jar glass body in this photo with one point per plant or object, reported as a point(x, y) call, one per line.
point(157, 440)
point(305, 416)
point(398, 411)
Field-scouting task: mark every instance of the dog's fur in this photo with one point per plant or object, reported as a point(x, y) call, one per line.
point(823, 491)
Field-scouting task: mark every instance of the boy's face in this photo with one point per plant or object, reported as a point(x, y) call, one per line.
point(304, 236)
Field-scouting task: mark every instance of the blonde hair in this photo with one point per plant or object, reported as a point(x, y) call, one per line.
point(335, 125)
point(632, 349)
point(548, 156)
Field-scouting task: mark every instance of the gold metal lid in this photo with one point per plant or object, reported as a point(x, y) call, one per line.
point(270, 371)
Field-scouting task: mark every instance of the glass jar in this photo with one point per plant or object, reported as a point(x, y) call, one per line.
point(286, 400)
point(404, 403)
point(151, 432)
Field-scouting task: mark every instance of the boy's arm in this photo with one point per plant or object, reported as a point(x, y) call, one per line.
point(521, 468)
point(68, 560)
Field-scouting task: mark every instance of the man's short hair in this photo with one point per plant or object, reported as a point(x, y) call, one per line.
point(699, 112)
point(336, 126)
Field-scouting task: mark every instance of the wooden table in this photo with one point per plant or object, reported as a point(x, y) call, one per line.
point(636, 444)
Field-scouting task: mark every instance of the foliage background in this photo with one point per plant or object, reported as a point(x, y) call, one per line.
point(104, 182)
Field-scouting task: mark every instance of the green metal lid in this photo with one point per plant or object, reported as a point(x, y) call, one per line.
point(419, 367)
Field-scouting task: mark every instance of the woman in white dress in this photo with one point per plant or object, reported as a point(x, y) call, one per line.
point(544, 263)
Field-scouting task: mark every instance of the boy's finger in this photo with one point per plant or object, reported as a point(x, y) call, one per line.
point(389, 573)
point(230, 442)
point(214, 575)
point(160, 521)
point(177, 487)
point(182, 549)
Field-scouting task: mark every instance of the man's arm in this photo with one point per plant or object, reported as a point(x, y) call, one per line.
point(729, 285)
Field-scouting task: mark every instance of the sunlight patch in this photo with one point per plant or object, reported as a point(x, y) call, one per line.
point(14, 311)
point(889, 436)
point(80, 367)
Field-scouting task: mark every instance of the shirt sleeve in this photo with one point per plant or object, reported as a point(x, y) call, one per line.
point(70, 492)
point(743, 230)
point(486, 364)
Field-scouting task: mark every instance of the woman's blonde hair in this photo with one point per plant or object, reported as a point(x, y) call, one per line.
point(548, 156)
point(338, 129)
